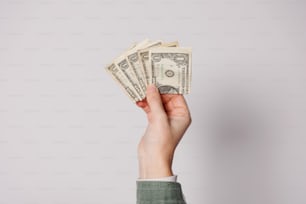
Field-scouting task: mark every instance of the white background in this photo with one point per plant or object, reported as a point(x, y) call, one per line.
point(69, 135)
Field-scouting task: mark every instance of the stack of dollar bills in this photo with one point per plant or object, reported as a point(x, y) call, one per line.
point(163, 64)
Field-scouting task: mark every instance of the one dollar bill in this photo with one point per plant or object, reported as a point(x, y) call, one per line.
point(171, 69)
point(123, 81)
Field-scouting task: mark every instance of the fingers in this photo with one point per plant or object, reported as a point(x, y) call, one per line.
point(153, 104)
point(154, 100)
point(180, 102)
point(143, 105)
point(174, 101)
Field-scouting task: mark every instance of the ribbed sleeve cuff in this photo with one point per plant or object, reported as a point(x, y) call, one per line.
point(159, 192)
point(168, 178)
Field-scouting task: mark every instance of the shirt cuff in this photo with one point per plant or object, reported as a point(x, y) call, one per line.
point(168, 178)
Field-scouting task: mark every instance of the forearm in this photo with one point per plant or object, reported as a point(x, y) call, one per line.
point(168, 118)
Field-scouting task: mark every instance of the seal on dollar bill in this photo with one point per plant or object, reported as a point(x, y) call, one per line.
point(169, 73)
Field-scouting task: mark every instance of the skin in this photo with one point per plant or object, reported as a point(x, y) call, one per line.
point(168, 118)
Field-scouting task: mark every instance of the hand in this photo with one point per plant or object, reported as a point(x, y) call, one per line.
point(168, 119)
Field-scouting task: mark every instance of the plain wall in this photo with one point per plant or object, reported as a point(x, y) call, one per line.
point(69, 135)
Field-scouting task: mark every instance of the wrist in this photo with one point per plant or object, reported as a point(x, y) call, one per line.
point(154, 168)
point(151, 173)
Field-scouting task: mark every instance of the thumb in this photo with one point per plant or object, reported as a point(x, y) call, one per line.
point(154, 100)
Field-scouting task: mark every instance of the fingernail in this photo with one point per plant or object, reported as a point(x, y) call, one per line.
point(151, 88)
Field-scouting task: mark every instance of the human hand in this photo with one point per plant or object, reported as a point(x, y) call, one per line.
point(168, 119)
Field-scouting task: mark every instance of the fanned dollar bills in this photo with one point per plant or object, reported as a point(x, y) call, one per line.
point(152, 62)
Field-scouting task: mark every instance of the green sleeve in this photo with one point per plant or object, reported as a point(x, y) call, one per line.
point(159, 192)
